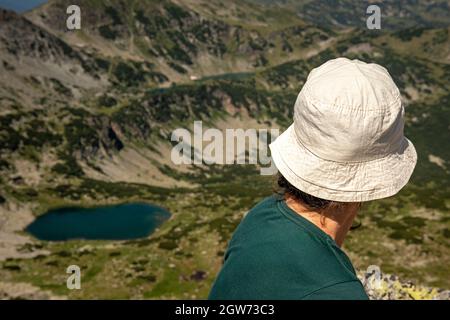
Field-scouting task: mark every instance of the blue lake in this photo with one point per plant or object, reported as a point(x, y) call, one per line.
point(119, 222)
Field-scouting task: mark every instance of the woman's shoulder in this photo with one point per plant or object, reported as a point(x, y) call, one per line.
point(260, 217)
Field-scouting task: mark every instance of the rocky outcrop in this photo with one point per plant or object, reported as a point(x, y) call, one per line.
point(383, 286)
point(24, 291)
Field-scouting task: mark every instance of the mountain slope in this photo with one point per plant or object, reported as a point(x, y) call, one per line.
point(396, 14)
point(183, 39)
point(86, 119)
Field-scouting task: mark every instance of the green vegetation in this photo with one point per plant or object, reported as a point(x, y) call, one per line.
point(133, 73)
point(60, 88)
point(69, 166)
point(107, 32)
point(216, 63)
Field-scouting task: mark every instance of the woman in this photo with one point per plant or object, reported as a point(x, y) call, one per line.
point(346, 146)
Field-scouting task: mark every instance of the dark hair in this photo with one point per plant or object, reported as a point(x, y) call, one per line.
point(286, 188)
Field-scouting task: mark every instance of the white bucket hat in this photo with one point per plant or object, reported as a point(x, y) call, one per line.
point(346, 143)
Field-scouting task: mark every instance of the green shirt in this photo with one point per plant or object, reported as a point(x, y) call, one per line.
point(277, 254)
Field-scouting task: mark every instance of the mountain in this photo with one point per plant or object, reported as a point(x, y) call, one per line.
point(396, 14)
point(86, 118)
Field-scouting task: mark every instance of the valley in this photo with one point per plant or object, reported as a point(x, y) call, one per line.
point(86, 119)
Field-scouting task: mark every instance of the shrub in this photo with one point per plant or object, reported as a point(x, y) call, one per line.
point(107, 32)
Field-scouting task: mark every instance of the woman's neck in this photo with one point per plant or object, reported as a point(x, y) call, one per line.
point(335, 223)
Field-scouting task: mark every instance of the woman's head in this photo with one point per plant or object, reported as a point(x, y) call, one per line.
point(346, 143)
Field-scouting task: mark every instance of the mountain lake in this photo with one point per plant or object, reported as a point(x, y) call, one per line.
point(116, 222)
